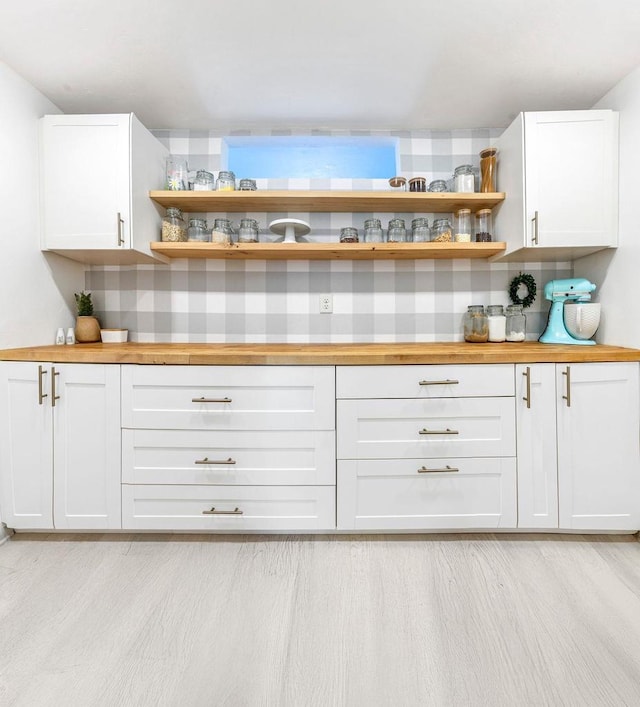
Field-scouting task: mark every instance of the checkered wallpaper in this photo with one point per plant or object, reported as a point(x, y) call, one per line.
point(278, 301)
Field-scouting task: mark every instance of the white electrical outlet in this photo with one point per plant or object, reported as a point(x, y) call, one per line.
point(326, 304)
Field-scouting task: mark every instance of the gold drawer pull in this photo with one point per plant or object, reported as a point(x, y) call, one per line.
point(445, 382)
point(206, 460)
point(424, 470)
point(425, 431)
point(213, 512)
point(210, 400)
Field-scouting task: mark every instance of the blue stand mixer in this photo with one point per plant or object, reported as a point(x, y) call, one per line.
point(577, 289)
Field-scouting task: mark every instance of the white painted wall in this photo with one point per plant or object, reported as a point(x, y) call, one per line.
point(36, 289)
point(616, 272)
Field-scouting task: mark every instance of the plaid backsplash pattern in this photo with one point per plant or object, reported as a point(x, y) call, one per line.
point(214, 301)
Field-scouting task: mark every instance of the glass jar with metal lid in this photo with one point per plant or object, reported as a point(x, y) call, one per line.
point(397, 232)
point(463, 179)
point(197, 230)
point(247, 185)
point(438, 185)
point(441, 231)
point(516, 326)
point(222, 231)
point(248, 231)
point(226, 181)
point(497, 322)
point(420, 231)
point(476, 324)
point(349, 235)
point(204, 181)
point(373, 232)
point(174, 229)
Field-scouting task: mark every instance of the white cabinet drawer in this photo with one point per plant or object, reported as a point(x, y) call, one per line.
point(234, 458)
point(393, 494)
point(247, 508)
point(228, 397)
point(401, 429)
point(428, 381)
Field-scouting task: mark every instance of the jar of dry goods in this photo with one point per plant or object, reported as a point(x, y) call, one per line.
point(488, 169)
point(174, 229)
point(247, 185)
point(373, 232)
point(438, 185)
point(476, 324)
point(197, 230)
point(483, 226)
point(497, 322)
point(463, 179)
point(397, 232)
point(420, 230)
point(226, 181)
point(204, 181)
point(248, 231)
point(462, 232)
point(349, 235)
point(222, 231)
point(441, 231)
point(177, 173)
point(516, 323)
point(418, 184)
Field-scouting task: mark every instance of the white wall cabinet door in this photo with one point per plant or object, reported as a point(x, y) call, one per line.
point(536, 442)
point(598, 447)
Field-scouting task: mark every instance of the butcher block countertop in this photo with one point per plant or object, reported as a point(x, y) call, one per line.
point(320, 354)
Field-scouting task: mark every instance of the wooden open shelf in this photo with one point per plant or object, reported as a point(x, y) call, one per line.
point(328, 251)
point(337, 201)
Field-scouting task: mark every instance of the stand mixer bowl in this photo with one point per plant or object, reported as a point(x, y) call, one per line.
point(582, 319)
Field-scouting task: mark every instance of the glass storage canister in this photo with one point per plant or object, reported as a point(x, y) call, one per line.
point(197, 230)
point(516, 327)
point(248, 231)
point(476, 324)
point(483, 226)
point(373, 232)
point(247, 185)
point(177, 173)
point(488, 169)
point(438, 185)
point(418, 184)
point(397, 233)
point(226, 181)
point(441, 231)
point(497, 322)
point(463, 181)
point(222, 231)
point(204, 181)
point(462, 232)
point(174, 229)
point(420, 231)
point(349, 235)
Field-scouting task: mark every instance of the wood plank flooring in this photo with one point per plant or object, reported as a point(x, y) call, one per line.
point(297, 621)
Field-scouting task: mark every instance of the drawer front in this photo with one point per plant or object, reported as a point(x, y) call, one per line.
point(233, 458)
point(403, 429)
point(430, 381)
point(409, 494)
point(229, 397)
point(258, 508)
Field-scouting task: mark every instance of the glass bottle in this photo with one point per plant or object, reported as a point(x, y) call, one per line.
point(204, 181)
point(516, 326)
point(349, 235)
point(488, 169)
point(222, 231)
point(197, 230)
point(177, 173)
point(226, 181)
point(483, 226)
point(174, 229)
point(373, 232)
point(463, 181)
point(397, 232)
point(441, 231)
point(420, 230)
point(497, 322)
point(248, 231)
point(476, 325)
point(438, 185)
point(462, 232)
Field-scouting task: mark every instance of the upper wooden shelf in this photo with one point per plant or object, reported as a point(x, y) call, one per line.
point(338, 201)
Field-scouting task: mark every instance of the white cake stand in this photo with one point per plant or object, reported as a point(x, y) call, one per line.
point(290, 228)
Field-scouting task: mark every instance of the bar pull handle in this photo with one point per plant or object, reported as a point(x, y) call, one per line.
point(567, 397)
point(206, 460)
point(527, 397)
point(41, 394)
point(424, 470)
point(535, 222)
point(444, 382)
point(120, 225)
point(210, 400)
point(425, 431)
point(54, 397)
point(213, 512)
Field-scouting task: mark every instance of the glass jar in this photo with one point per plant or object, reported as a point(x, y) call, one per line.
point(483, 226)
point(463, 180)
point(418, 184)
point(399, 183)
point(462, 232)
point(441, 231)
point(204, 181)
point(197, 230)
point(222, 231)
point(438, 185)
point(420, 232)
point(373, 232)
point(397, 232)
point(226, 181)
point(497, 322)
point(247, 185)
point(177, 173)
point(516, 327)
point(349, 235)
point(174, 229)
point(248, 231)
point(488, 169)
point(476, 325)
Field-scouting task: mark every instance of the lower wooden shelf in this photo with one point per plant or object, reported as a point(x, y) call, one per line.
point(328, 251)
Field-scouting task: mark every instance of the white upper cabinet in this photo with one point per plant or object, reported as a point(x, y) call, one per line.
point(560, 172)
point(96, 171)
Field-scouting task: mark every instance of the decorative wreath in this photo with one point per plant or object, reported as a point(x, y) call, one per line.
point(528, 281)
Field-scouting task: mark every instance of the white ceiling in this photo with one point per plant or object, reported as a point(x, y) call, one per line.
point(403, 64)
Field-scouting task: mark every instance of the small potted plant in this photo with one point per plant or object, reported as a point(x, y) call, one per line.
point(87, 326)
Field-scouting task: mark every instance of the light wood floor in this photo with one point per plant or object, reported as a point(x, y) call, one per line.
point(456, 620)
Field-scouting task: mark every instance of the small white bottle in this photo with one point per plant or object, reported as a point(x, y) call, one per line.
point(60, 337)
point(497, 323)
point(71, 336)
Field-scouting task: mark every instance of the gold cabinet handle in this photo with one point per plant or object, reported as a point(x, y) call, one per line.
point(424, 470)
point(444, 382)
point(206, 460)
point(41, 394)
point(534, 221)
point(425, 431)
point(210, 400)
point(120, 224)
point(567, 397)
point(213, 512)
point(527, 397)
point(54, 397)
